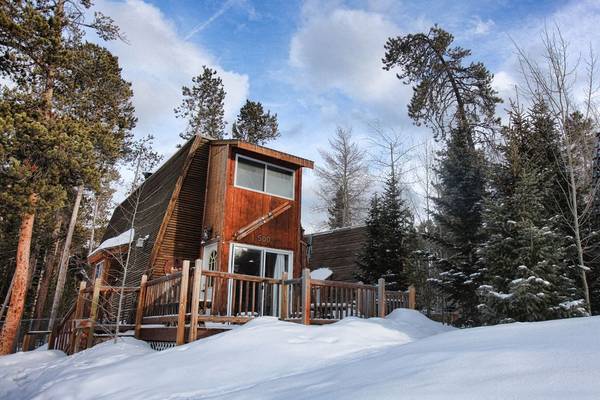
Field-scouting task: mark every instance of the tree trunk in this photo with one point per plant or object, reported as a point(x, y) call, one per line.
point(49, 268)
point(19, 290)
point(64, 261)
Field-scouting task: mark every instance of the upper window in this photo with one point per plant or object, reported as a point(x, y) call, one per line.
point(264, 177)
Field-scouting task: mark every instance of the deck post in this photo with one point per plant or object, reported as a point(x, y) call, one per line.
point(94, 312)
point(139, 312)
point(381, 294)
point(306, 296)
point(412, 297)
point(185, 274)
point(283, 314)
point(195, 301)
point(75, 336)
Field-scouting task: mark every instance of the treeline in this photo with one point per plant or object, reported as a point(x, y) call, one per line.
point(511, 211)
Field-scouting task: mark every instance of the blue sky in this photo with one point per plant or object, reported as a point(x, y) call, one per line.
point(317, 63)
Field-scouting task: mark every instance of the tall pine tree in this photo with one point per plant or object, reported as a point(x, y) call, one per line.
point(202, 106)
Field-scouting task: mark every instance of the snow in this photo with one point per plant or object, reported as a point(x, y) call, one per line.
point(321, 273)
point(119, 240)
point(404, 356)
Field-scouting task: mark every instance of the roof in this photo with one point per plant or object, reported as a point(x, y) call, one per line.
point(152, 198)
point(294, 160)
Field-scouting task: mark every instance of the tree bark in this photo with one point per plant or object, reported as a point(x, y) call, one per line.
point(64, 260)
point(49, 268)
point(19, 290)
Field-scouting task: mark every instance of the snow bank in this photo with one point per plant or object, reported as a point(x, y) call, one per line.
point(404, 356)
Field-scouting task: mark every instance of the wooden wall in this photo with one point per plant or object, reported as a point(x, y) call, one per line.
point(238, 207)
point(337, 250)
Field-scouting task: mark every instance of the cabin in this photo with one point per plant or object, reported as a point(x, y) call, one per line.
point(336, 251)
point(209, 241)
point(232, 204)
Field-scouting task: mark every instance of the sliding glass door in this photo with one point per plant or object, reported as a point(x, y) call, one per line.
point(261, 299)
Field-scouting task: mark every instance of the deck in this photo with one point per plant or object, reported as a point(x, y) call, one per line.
point(194, 303)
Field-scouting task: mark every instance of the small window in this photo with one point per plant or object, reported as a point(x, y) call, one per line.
point(212, 261)
point(99, 269)
point(250, 174)
point(264, 177)
point(280, 182)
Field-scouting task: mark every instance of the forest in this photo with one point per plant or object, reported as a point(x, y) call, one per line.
point(507, 227)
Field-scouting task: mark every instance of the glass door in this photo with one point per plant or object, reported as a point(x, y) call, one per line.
point(250, 299)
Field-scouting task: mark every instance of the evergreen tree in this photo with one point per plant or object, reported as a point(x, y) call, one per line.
point(526, 275)
point(203, 106)
point(458, 215)
point(390, 238)
point(254, 125)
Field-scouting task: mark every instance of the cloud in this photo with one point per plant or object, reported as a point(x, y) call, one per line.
point(341, 49)
point(480, 27)
point(158, 61)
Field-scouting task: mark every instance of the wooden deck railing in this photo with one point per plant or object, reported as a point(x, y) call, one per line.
point(179, 306)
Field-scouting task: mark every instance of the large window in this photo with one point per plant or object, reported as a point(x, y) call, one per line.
point(264, 177)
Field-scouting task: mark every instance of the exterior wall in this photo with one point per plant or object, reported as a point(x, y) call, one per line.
point(337, 250)
point(183, 233)
point(231, 208)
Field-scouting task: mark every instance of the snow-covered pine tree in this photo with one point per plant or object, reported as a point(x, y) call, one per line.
point(390, 238)
point(526, 276)
point(458, 215)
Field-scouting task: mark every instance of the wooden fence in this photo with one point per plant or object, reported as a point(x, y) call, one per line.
point(179, 307)
point(92, 317)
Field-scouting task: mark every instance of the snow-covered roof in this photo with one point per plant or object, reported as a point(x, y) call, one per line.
point(321, 273)
point(119, 240)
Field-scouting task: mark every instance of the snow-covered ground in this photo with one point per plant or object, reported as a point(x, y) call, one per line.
point(405, 356)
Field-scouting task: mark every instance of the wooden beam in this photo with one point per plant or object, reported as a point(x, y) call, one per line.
point(381, 295)
point(257, 223)
point(139, 312)
point(195, 301)
point(94, 311)
point(412, 297)
point(185, 274)
point(76, 334)
point(284, 297)
point(306, 296)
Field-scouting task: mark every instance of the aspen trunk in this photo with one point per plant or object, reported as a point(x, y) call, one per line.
point(19, 290)
point(64, 261)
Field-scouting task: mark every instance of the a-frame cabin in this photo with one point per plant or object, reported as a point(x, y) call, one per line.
point(235, 205)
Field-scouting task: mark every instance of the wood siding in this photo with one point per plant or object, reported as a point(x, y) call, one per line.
point(183, 233)
point(337, 250)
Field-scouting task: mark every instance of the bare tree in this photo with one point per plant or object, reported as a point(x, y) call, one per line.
point(343, 180)
point(556, 80)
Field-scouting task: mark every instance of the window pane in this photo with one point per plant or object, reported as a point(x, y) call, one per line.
point(250, 174)
point(246, 261)
point(280, 182)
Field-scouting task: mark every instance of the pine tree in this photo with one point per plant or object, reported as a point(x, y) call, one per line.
point(526, 276)
point(458, 215)
point(254, 125)
point(390, 238)
point(203, 106)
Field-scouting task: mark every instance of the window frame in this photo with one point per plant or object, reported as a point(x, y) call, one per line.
point(266, 177)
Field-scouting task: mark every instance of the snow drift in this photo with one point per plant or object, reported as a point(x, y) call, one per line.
point(404, 356)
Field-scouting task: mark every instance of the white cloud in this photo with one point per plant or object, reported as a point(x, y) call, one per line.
point(158, 61)
point(342, 50)
point(481, 27)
